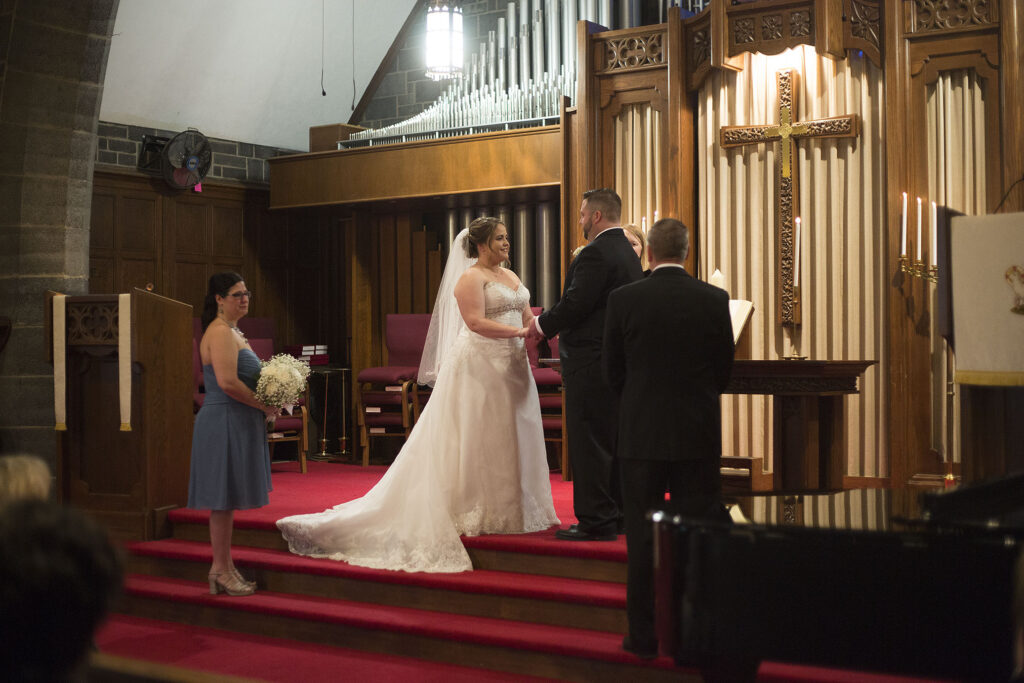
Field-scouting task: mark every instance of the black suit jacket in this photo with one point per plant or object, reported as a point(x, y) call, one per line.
point(605, 264)
point(668, 352)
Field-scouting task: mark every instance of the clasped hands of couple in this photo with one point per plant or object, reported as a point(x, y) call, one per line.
point(530, 332)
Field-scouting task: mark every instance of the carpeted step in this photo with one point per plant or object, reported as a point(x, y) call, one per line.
point(227, 653)
point(536, 553)
point(327, 485)
point(496, 644)
point(535, 598)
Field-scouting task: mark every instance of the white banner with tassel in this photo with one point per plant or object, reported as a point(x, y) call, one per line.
point(60, 361)
point(124, 358)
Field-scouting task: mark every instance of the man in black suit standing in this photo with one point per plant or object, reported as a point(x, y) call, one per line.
point(591, 409)
point(668, 352)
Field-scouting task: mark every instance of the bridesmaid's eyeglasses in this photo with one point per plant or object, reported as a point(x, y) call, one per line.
point(238, 295)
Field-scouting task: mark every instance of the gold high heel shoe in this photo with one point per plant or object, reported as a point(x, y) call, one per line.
point(230, 583)
point(238, 575)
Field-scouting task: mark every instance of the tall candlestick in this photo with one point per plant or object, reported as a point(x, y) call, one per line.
point(903, 230)
point(796, 257)
point(934, 248)
point(919, 228)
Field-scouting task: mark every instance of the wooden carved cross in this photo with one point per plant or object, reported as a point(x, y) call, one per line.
point(788, 131)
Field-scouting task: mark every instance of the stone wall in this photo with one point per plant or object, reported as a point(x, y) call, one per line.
point(119, 144)
point(55, 58)
point(406, 91)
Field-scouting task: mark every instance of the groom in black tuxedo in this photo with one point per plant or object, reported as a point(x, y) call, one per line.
point(668, 352)
point(591, 409)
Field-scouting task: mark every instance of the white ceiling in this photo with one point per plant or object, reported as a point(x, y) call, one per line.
point(245, 70)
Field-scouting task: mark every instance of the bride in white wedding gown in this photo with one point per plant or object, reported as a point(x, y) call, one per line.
point(475, 461)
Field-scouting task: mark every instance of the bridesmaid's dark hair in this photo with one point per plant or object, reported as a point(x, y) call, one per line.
point(219, 286)
point(480, 231)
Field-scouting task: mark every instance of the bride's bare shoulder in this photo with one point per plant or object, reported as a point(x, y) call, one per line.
point(472, 276)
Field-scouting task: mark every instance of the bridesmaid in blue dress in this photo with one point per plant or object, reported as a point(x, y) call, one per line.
point(230, 463)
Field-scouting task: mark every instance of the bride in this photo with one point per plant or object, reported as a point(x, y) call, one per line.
point(475, 461)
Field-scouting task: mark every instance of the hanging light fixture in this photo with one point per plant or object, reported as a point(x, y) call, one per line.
point(444, 39)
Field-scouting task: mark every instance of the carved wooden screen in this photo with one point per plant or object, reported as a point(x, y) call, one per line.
point(636, 128)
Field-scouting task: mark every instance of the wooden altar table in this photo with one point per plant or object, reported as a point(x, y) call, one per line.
point(809, 436)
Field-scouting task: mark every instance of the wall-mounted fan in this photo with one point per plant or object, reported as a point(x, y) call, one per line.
point(183, 160)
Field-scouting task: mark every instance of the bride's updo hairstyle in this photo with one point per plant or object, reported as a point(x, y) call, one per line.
point(219, 286)
point(480, 231)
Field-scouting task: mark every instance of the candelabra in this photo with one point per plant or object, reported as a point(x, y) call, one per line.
point(918, 268)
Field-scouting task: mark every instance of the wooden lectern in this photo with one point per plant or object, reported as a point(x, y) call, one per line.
point(129, 480)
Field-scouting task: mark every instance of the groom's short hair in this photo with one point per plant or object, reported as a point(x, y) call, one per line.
point(605, 200)
point(668, 240)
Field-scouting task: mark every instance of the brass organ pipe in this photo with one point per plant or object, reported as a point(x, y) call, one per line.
point(523, 257)
point(547, 255)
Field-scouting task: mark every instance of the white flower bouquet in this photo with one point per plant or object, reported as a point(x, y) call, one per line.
point(282, 380)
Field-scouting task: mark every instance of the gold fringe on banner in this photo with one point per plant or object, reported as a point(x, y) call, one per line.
point(124, 358)
point(60, 377)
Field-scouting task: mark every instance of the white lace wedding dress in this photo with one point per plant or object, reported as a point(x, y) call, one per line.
point(473, 464)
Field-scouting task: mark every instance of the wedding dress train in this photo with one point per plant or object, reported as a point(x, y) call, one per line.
point(474, 464)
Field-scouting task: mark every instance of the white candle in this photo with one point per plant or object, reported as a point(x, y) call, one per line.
point(903, 229)
point(643, 224)
point(796, 256)
point(655, 215)
point(919, 228)
point(935, 234)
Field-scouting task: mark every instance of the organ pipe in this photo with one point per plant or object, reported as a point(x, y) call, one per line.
point(523, 256)
point(517, 78)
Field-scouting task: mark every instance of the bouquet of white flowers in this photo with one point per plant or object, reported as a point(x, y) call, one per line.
point(282, 380)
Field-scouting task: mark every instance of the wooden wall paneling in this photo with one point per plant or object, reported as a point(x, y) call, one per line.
point(226, 239)
point(403, 263)
point(434, 270)
point(772, 27)
point(920, 44)
point(720, 40)
point(862, 29)
point(900, 328)
point(338, 298)
point(386, 275)
point(101, 225)
point(420, 284)
point(254, 230)
point(137, 216)
point(585, 127)
point(1011, 39)
point(305, 294)
point(101, 243)
point(485, 162)
point(137, 272)
point(137, 236)
point(101, 275)
point(697, 39)
point(266, 271)
point(186, 245)
point(360, 251)
point(569, 191)
point(828, 28)
point(376, 292)
point(679, 186)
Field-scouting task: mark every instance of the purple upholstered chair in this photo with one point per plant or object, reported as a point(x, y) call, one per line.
point(388, 399)
point(552, 406)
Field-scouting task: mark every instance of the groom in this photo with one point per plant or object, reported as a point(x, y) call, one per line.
point(591, 408)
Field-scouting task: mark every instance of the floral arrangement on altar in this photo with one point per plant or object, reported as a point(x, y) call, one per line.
point(282, 380)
